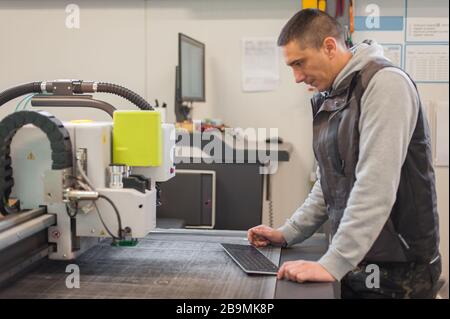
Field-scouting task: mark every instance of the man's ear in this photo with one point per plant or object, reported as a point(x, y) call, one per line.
point(330, 46)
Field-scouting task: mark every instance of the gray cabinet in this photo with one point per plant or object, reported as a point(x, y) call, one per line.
point(238, 186)
point(190, 197)
point(238, 200)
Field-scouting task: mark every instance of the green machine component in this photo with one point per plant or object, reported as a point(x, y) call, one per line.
point(137, 138)
point(125, 243)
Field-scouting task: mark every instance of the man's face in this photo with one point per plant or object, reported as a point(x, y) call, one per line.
point(311, 66)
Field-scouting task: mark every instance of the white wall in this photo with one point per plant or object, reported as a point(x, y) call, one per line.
point(109, 46)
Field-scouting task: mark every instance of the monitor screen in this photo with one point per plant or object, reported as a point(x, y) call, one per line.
point(191, 62)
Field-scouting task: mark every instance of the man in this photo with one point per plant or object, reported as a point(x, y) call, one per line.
point(376, 181)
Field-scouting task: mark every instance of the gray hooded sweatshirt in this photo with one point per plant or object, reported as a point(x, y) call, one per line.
point(389, 111)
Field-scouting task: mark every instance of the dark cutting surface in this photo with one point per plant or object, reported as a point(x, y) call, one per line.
point(162, 265)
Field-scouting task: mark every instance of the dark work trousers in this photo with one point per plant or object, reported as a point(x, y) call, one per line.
point(396, 281)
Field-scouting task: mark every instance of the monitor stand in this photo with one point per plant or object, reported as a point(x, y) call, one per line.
point(183, 112)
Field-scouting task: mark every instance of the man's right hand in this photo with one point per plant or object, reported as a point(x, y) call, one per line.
point(262, 235)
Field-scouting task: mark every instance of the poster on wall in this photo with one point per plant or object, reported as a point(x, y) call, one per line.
point(427, 23)
point(427, 30)
point(260, 64)
point(379, 20)
point(427, 63)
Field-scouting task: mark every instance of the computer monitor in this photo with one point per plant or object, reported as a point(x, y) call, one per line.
point(191, 60)
point(190, 75)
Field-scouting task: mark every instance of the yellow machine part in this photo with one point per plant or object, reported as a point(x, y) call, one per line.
point(137, 138)
point(322, 5)
point(309, 4)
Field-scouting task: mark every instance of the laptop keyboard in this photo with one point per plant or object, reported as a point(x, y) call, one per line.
point(250, 259)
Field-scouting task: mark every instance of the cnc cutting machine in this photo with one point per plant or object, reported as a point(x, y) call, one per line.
point(78, 181)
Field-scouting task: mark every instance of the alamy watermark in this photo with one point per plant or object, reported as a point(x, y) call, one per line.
point(72, 16)
point(73, 277)
point(373, 16)
point(373, 279)
point(234, 145)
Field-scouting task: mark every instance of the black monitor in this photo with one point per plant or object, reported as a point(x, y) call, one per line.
point(190, 75)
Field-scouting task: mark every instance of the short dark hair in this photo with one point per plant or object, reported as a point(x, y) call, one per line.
point(310, 27)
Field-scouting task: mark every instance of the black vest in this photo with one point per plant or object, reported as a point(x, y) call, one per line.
point(412, 230)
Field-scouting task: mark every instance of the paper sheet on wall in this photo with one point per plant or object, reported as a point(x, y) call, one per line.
point(427, 22)
point(393, 52)
point(427, 63)
point(442, 130)
point(260, 64)
point(423, 29)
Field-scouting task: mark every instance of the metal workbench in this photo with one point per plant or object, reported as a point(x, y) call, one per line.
point(184, 264)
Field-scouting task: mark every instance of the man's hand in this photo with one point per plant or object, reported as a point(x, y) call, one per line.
point(261, 236)
point(301, 271)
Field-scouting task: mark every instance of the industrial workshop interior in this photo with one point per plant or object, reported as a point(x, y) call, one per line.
point(224, 154)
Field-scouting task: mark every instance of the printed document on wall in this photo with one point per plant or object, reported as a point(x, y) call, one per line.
point(427, 23)
point(442, 134)
point(393, 52)
point(427, 63)
point(260, 64)
point(420, 29)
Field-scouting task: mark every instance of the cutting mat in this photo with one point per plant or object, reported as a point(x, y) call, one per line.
point(163, 265)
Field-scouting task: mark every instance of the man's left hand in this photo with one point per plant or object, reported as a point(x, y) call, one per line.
point(301, 271)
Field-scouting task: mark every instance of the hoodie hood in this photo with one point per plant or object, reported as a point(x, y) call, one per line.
point(362, 54)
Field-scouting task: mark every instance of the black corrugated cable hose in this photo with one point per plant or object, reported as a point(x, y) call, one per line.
point(102, 87)
point(14, 92)
point(56, 133)
point(135, 98)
